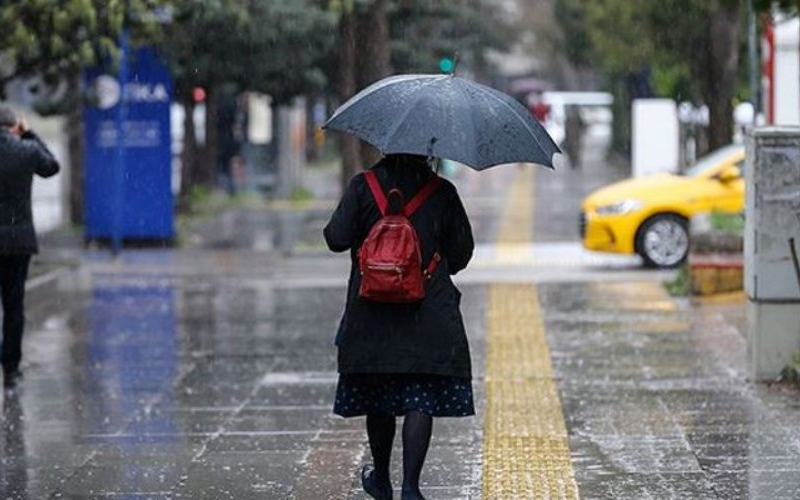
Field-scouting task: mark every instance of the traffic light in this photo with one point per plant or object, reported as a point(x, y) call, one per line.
point(199, 94)
point(446, 65)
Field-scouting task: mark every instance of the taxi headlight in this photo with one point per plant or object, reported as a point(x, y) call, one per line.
point(620, 207)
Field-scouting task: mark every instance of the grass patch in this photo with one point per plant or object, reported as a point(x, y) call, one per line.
point(727, 222)
point(199, 195)
point(246, 199)
point(301, 194)
point(791, 372)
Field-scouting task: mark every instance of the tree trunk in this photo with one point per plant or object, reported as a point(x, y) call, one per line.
point(346, 87)
point(621, 107)
point(189, 152)
point(374, 59)
point(75, 146)
point(207, 165)
point(723, 53)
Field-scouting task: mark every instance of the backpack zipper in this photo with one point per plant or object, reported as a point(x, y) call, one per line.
point(385, 267)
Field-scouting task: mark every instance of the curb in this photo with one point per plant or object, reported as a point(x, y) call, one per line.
point(47, 278)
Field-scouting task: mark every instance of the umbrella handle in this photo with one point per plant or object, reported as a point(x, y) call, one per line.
point(431, 143)
point(431, 158)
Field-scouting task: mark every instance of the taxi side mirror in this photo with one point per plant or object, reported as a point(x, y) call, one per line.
point(728, 175)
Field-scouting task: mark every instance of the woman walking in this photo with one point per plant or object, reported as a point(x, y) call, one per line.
point(403, 359)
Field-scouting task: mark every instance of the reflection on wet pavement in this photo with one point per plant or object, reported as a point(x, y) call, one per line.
point(151, 377)
point(663, 413)
point(141, 385)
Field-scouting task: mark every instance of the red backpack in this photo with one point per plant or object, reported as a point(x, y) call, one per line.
point(390, 260)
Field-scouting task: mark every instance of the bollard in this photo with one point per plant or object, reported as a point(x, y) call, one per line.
point(772, 225)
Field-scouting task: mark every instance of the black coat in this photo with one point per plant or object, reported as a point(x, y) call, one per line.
point(20, 158)
point(427, 337)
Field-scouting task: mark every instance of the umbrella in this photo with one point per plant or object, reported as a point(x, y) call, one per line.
point(447, 117)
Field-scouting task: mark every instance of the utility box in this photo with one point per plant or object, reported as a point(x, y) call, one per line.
point(128, 159)
point(772, 228)
point(655, 135)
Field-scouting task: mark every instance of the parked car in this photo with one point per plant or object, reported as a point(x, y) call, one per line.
point(649, 215)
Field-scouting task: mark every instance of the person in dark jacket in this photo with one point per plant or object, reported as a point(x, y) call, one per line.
point(409, 360)
point(573, 135)
point(22, 154)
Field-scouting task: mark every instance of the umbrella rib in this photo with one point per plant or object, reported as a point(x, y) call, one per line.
point(399, 122)
point(528, 127)
point(474, 126)
point(373, 89)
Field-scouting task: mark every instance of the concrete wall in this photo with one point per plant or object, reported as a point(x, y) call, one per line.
point(772, 221)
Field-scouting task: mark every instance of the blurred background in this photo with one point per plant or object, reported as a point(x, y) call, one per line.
point(246, 84)
point(206, 370)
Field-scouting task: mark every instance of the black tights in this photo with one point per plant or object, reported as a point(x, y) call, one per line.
point(417, 428)
point(380, 430)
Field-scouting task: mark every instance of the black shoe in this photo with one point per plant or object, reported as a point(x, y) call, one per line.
point(11, 379)
point(373, 489)
point(411, 495)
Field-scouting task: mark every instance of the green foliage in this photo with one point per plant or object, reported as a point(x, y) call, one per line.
point(197, 40)
point(619, 34)
point(619, 37)
point(423, 32)
point(791, 372)
point(47, 40)
point(575, 42)
point(681, 284)
point(203, 201)
point(791, 6)
point(273, 46)
point(290, 42)
point(199, 195)
point(301, 194)
point(673, 80)
point(726, 222)
point(680, 44)
point(280, 47)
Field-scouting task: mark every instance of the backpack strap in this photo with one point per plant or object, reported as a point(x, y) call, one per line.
point(432, 265)
point(377, 192)
point(412, 206)
point(422, 195)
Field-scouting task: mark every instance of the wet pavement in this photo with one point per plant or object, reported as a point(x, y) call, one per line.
point(656, 399)
point(208, 371)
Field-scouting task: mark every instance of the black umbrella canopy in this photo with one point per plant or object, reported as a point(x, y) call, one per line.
point(448, 117)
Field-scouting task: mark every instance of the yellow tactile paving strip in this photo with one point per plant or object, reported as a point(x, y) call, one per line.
point(525, 444)
point(516, 225)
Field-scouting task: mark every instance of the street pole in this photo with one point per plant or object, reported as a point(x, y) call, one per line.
point(753, 59)
point(118, 188)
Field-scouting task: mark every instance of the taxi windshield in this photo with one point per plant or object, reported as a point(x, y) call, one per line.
point(711, 160)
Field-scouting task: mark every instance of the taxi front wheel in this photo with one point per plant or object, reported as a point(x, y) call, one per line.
point(663, 241)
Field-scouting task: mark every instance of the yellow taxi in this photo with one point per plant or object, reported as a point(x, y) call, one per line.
point(649, 215)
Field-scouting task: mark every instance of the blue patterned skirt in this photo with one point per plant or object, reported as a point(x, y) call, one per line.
point(398, 393)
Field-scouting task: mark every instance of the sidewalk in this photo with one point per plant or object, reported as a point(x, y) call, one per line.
point(208, 372)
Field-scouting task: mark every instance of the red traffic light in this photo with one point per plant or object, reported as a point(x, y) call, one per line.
point(199, 94)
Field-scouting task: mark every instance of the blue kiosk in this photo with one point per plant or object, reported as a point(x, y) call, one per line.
point(127, 168)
